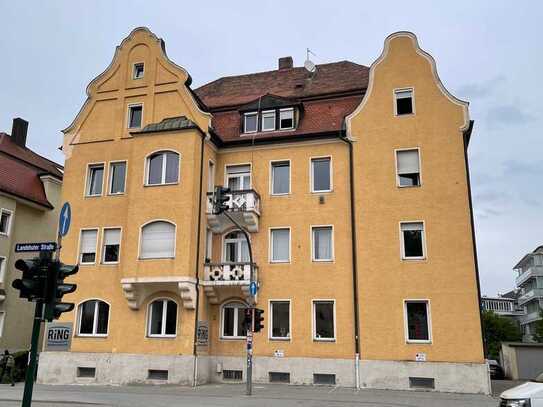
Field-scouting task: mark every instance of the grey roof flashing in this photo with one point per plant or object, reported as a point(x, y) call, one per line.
point(168, 124)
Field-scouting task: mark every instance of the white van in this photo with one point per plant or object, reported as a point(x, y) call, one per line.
point(529, 394)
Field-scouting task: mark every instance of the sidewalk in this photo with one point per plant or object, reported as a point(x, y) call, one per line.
point(234, 395)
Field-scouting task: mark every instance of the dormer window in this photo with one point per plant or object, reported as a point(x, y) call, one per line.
point(138, 70)
point(286, 119)
point(268, 120)
point(251, 122)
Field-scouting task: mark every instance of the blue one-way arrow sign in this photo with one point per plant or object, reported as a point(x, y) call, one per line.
point(64, 219)
point(253, 288)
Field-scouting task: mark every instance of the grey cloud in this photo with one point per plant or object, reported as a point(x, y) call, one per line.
point(506, 115)
point(522, 168)
point(480, 90)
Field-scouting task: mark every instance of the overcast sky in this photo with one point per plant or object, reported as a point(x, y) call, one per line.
point(489, 53)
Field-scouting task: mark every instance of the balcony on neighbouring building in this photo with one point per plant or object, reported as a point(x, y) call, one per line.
point(533, 293)
point(527, 273)
point(224, 280)
point(529, 317)
point(243, 206)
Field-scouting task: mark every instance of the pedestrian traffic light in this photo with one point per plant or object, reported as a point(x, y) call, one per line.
point(220, 199)
point(32, 284)
point(248, 320)
point(259, 320)
point(56, 288)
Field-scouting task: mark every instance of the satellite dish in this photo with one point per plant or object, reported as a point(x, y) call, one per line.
point(310, 65)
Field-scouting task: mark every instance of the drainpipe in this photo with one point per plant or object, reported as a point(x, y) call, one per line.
point(354, 263)
point(197, 272)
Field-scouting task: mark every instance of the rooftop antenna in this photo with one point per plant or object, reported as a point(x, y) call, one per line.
point(308, 64)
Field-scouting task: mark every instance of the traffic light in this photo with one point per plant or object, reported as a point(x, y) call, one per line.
point(32, 284)
point(56, 288)
point(220, 199)
point(248, 320)
point(259, 320)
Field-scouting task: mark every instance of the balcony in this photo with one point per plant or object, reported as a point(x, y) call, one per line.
point(243, 206)
point(532, 271)
point(527, 318)
point(224, 280)
point(534, 293)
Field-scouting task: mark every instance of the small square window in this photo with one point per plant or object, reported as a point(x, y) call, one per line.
point(404, 102)
point(138, 70)
point(251, 123)
point(134, 116)
point(286, 119)
point(5, 221)
point(95, 179)
point(268, 120)
point(412, 240)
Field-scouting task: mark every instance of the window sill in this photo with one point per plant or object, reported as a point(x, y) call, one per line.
point(233, 338)
point(324, 191)
point(161, 336)
point(156, 258)
point(93, 196)
point(161, 185)
point(408, 259)
point(280, 339)
point(408, 186)
point(323, 261)
point(87, 264)
point(404, 114)
point(324, 339)
point(279, 261)
point(109, 263)
point(100, 336)
point(280, 195)
point(418, 342)
point(116, 194)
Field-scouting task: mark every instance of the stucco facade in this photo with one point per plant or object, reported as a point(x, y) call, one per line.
point(370, 277)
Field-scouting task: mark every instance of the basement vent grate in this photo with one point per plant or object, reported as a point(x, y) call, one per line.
point(232, 374)
point(324, 378)
point(279, 377)
point(153, 374)
point(86, 372)
point(421, 383)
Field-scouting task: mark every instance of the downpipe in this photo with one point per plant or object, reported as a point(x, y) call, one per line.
point(357, 370)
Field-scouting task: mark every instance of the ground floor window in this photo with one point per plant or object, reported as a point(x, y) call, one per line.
point(233, 320)
point(417, 316)
point(323, 320)
point(93, 318)
point(162, 318)
point(280, 319)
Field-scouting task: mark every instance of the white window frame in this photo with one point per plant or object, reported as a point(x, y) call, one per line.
point(269, 113)
point(272, 162)
point(311, 184)
point(402, 243)
point(236, 304)
point(163, 173)
point(331, 260)
point(95, 320)
point(10, 221)
point(141, 238)
point(428, 317)
point(103, 254)
point(3, 262)
point(227, 176)
point(394, 98)
point(110, 177)
point(134, 70)
point(289, 109)
point(314, 320)
point(245, 122)
point(270, 325)
point(209, 244)
point(270, 245)
point(2, 322)
point(164, 314)
point(96, 253)
point(238, 241)
point(211, 176)
point(399, 150)
point(86, 192)
point(129, 113)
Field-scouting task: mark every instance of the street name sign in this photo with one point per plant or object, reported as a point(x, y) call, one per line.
point(35, 247)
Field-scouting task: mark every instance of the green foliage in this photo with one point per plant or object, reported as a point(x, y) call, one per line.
point(538, 335)
point(498, 329)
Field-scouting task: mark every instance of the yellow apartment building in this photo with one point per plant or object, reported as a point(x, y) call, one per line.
point(353, 182)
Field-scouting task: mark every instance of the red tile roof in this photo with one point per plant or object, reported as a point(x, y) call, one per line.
point(20, 170)
point(327, 96)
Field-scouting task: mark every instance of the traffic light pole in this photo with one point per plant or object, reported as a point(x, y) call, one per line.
point(31, 370)
point(249, 381)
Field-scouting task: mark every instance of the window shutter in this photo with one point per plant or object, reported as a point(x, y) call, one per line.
point(238, 169)
point(408, 161)
point(112, 237)
point(88, 241)
point(403, 94)
point(411, 226)
point(158, 240)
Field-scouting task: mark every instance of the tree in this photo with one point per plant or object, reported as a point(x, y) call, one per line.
point(538, 334)
point(498, 329)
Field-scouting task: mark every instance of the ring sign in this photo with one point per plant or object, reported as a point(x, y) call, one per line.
point(65, 219)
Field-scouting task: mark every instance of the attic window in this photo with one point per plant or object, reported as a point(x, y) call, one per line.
point(286, 119)
point(138, 70)
point(251, 122)
point(404, 101)
point(268, 120)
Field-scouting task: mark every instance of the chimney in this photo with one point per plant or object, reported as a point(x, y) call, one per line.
point(18, 131)
point(285, 63)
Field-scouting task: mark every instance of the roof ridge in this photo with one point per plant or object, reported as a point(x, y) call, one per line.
point(26, 149)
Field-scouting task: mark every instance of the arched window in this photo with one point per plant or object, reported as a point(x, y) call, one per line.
point(93, 318)
point(162, 168)
point(157, 240)
point(162, 318)
point(235, 248)
point(232, 320)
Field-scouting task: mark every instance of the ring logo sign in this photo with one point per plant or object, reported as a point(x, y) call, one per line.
point(58, 337)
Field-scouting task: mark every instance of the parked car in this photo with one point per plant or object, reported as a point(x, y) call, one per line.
point(529, 394)
point(496, 371)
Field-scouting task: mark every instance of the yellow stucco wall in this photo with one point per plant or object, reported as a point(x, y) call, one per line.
point(446, 277)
